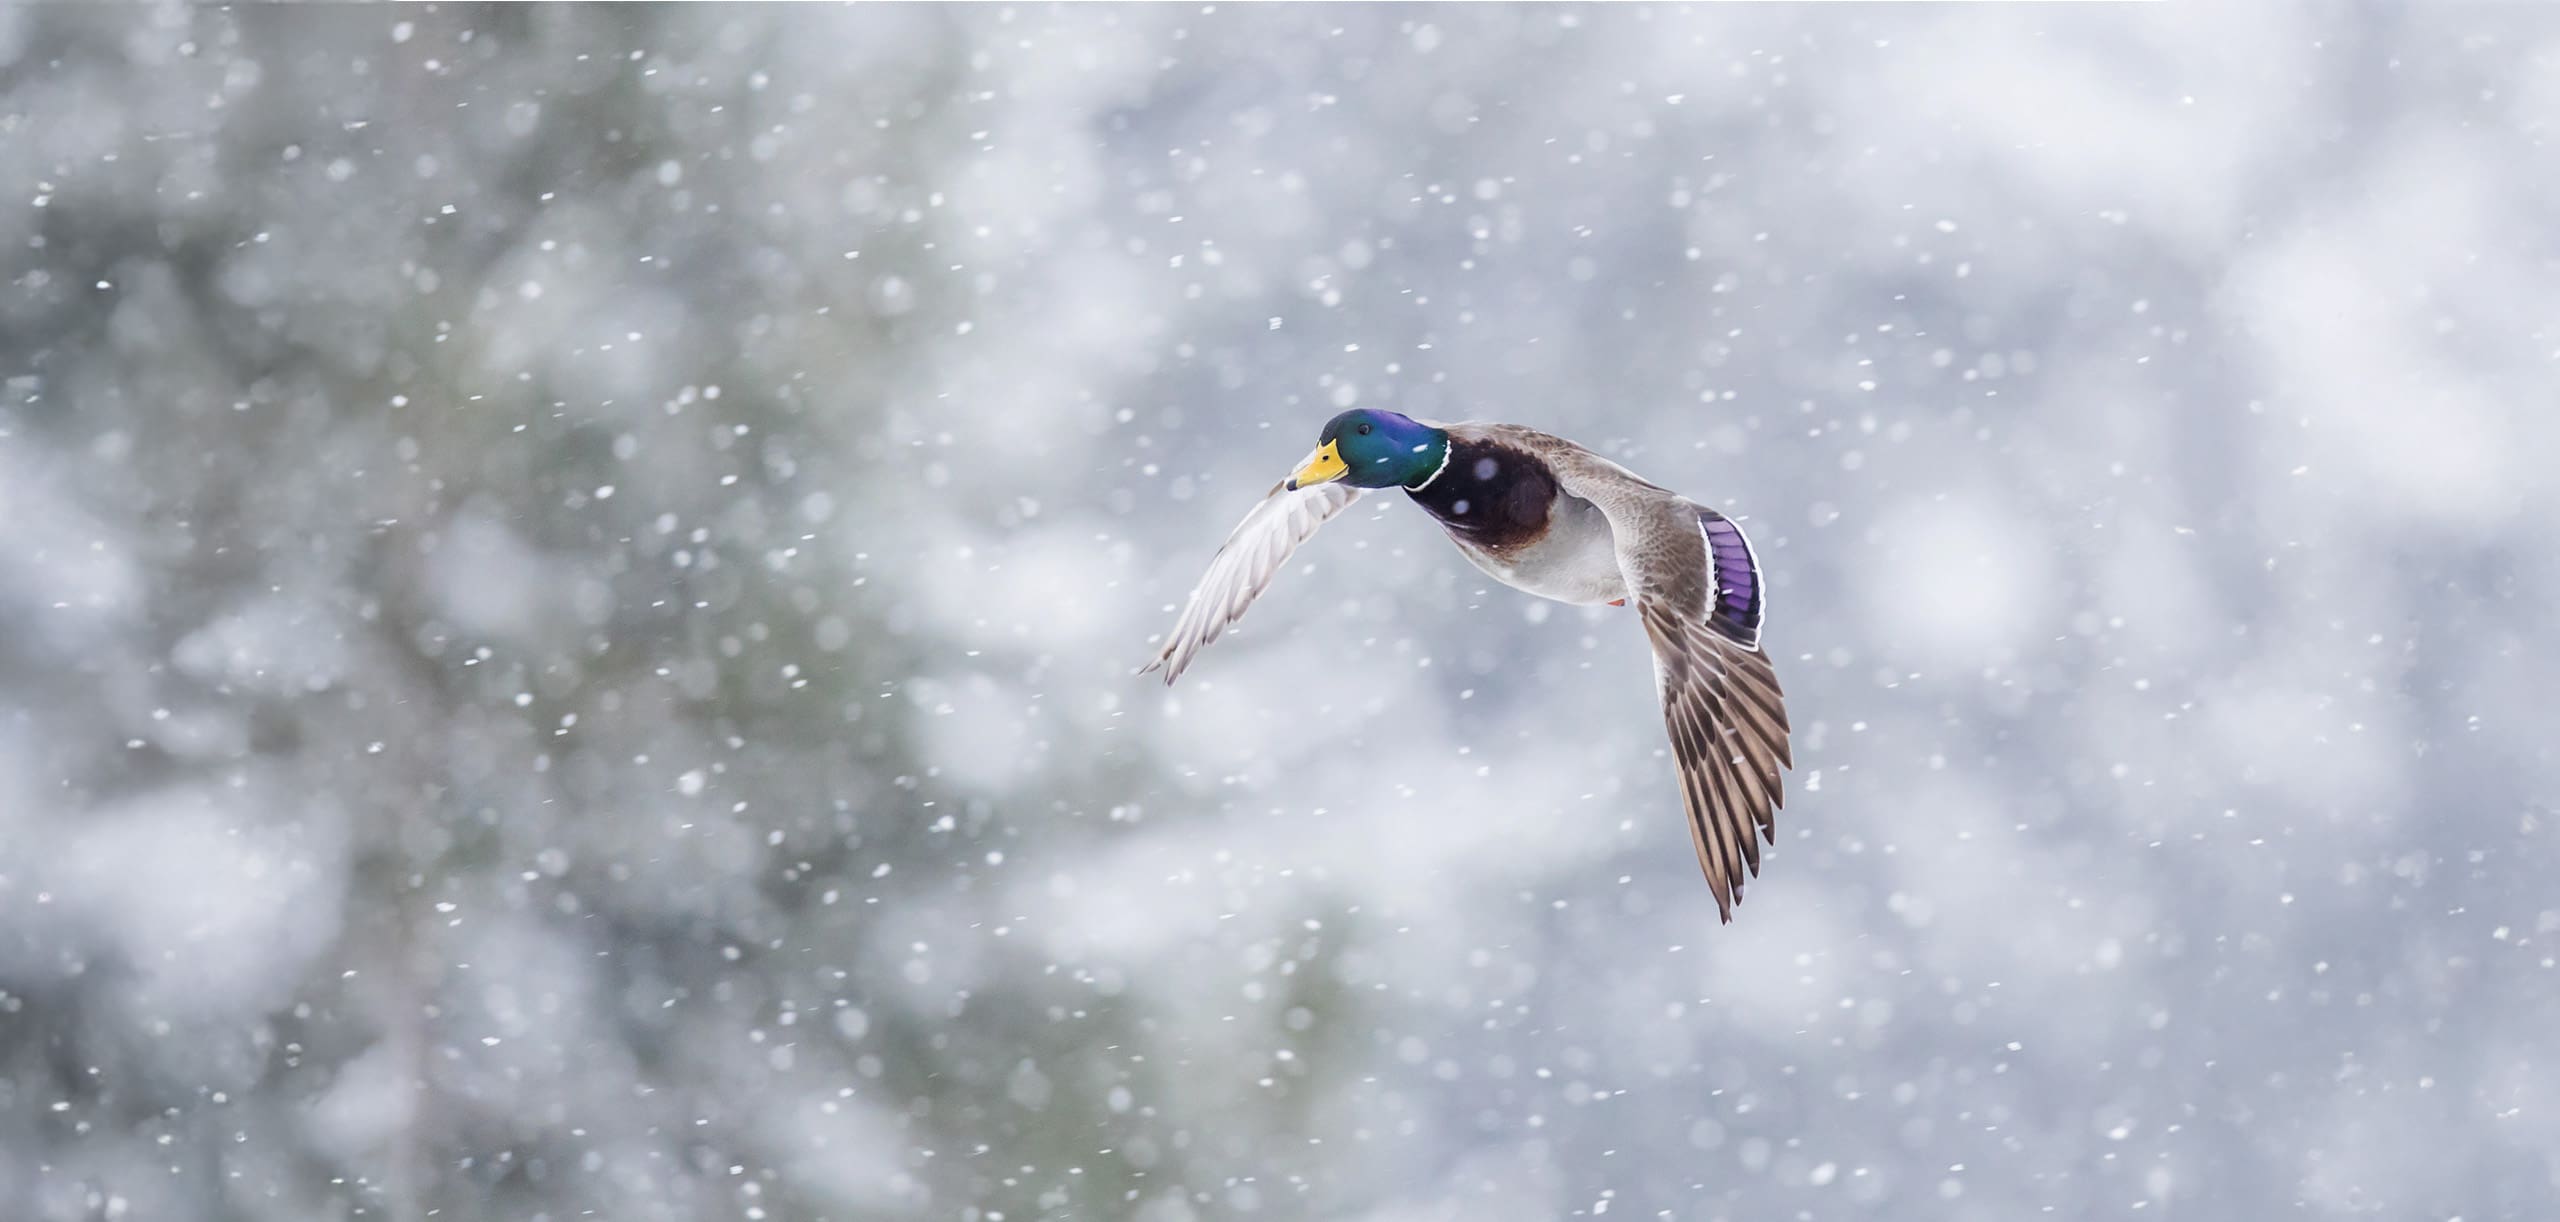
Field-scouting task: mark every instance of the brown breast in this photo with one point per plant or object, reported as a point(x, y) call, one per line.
point(1497, 498)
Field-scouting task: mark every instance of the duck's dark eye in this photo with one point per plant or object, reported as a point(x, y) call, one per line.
point(1364, 430)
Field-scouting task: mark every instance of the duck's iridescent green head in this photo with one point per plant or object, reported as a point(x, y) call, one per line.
point(1374, 449)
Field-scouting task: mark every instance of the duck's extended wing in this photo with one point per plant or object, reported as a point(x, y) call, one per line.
point(1694, 581)
point(1728, 723)
point(1245, 565)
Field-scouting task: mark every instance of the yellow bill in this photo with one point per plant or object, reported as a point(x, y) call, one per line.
point(1322, 467)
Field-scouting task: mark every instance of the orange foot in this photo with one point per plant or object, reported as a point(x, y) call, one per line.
point(1617, 602)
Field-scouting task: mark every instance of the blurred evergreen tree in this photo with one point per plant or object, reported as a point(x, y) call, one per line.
point(492, 422)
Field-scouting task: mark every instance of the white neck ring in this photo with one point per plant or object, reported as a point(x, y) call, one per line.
point(1448, 449)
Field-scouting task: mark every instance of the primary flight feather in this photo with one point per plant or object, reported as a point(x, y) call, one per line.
point(1544, 515)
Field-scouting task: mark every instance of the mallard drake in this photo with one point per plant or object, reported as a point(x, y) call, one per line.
point(1547, 516)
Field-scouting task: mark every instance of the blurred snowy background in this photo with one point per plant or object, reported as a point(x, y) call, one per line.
point(572, 577)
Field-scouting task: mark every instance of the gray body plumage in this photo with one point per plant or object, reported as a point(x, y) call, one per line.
point(1574, 562)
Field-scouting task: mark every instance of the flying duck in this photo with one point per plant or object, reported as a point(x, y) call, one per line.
point(1547, 516)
